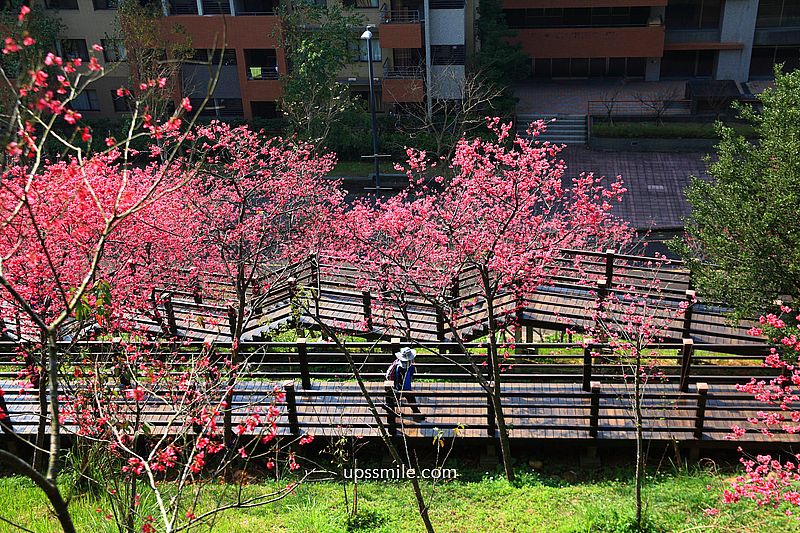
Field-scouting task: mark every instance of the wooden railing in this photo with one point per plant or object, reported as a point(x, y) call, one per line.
point(567, 389)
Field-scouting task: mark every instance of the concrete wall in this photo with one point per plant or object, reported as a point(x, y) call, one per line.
point(447, 26)
point(738, 25)
point(447, 81)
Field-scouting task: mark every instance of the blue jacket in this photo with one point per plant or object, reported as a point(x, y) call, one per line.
point(402, 376)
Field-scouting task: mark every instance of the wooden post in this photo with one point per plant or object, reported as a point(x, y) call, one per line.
point(602, 289)
point(172, 325)
point(391, 406)
point(292, 285)
point(687, 315)
point(302, 355)
point(232, 319)
point(700, 415)
point(594, 415)
point(197, 293)
point(686, 363)
point(314, 266)
point(491, 420)
point(394, 346)
point(291, 407)
point(367, 297)
point(439, 324)
point(587, 368)
point(610, 267)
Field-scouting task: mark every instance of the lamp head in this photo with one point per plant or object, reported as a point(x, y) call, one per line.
point(367, 35)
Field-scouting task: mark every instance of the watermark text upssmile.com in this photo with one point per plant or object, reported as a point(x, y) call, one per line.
point(399, 472)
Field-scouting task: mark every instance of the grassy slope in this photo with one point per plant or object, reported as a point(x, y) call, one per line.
point(488, 504)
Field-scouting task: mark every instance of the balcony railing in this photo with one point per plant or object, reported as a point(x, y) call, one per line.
point(262, 73)
point(403, 73)
point(400, 16)
point(183, 7)
point(216, 7)
point(447, 4)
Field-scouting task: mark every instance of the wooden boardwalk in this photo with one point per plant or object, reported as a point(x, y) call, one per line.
point(539, 411)
point(331, 294)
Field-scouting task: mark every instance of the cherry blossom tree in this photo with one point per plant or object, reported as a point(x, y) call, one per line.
point(628, 322)
point(253, 211)
point(501, 218)
point(772, 479)
point(60, 214)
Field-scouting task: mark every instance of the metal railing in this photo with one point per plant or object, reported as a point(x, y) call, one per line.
point(638, 108)
point(262, 73)
point(400, 16)
point(403, 73)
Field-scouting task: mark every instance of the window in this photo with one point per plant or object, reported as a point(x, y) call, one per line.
point(216, 7)
point(100, 5)
point(214, 57)
point(596, 17)
point(183, 7)
point(264, 109)
point(778, 13)
point(219, 107)
point(62, 4)
point(122, 104)
point(360, 52)
point(764, 58)
point(693, 14)
point(255, 7)
point(448, 55)
point(581, 67)
point(261, 64)
point(74, 48)
point(361, 4)
point(86, 101)
point(114, 50)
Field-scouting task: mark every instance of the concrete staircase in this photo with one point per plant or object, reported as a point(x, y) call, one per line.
point(561, 129)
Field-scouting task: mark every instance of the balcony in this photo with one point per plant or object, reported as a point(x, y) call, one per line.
point(401, 28)
point(644, 41)
point(255, 7)
point(401, 16)
point(399, 90)
point(403, 73)
point(261, 64)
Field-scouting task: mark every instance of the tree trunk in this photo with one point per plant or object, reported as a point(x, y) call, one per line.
point(41, 429)
point(55, 429)
point(502, 430)
point(385, 437)
point(639, 441)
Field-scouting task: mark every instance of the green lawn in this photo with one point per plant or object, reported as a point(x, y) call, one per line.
point(486, 503)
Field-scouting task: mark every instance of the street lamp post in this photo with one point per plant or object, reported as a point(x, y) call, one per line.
point(367, 36)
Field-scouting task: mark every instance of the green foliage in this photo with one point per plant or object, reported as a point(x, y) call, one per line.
point(366, 520)
point(316, 43)
point(151, 56)
point(666, 130)
point(743, 240)
point(40, 24)
point(499, 62)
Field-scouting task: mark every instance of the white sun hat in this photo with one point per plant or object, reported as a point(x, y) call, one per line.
point(406, 355)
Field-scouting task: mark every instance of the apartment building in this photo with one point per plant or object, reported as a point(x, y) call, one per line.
point(419, 51)
point(656, 39)
point(88, 22)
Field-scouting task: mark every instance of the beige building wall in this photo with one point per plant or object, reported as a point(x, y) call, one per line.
point(94, 25)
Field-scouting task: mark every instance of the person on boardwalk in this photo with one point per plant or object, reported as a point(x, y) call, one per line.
point(400, 373)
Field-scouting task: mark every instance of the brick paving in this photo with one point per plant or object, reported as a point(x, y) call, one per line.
point(655, 181)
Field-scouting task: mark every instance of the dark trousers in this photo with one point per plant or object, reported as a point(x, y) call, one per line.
point(409, 398)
